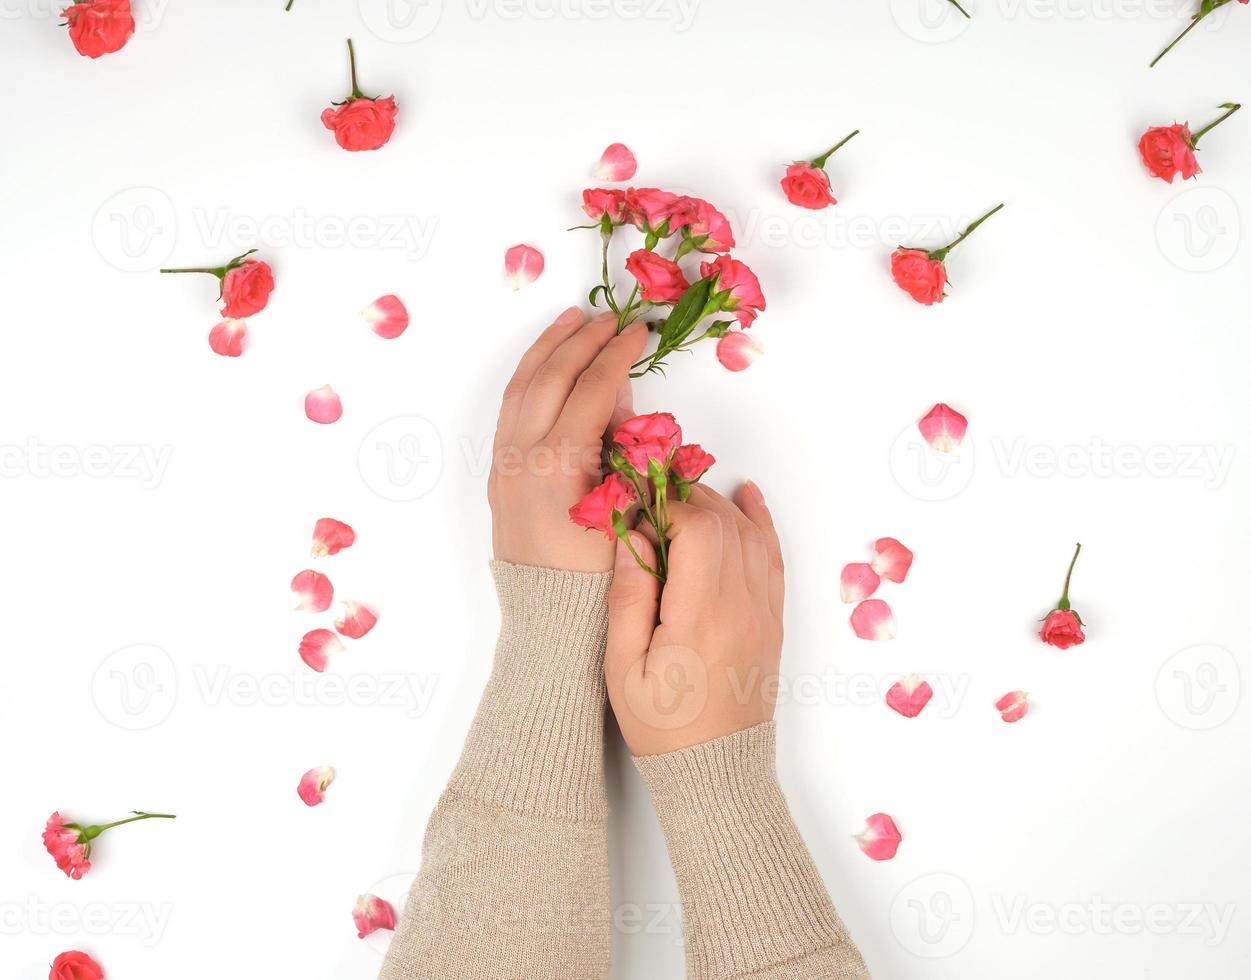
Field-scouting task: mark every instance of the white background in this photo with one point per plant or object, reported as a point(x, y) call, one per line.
point(1101, 313)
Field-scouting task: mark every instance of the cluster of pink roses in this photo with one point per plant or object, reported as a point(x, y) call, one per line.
point(647, 459)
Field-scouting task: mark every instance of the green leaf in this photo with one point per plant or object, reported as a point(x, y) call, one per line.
point(686, 313)
point(591, 297)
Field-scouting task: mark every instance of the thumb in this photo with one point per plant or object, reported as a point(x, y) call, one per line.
point(633, 602)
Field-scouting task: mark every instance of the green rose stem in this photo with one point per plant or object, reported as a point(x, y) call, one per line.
point(289, 3)
point(820, 161)
point(220, 271)
point(1064, 598)
point(356, 90)
point(1209, 6)
point(619, 528)
point(941, 253)
point(91, 833)
point(956, 4)
point(1231, 106)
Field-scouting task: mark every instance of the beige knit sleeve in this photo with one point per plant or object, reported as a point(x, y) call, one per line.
point(514, 876)
point(753, 904)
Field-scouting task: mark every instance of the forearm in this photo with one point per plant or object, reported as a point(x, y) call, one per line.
point(753, 904)
point(514, 879)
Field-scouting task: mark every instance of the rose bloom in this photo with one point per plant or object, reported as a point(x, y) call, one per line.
point(64, 842)
point(745, 300)
point(712, 226)
point(660, 280)
point(99, 26)
point(595, 509)
point(1167, 152)
point(650, 208)
point(75, 966)
point(1062, 629)
point(646, 437)
point(807, 186)
point(691, 462)
point(246, 289)
point(600, 201)
point(362, 124)
point(918, 275)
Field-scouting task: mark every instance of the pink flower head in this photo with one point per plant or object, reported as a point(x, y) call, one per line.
point(323, 406)
point(873, 620)
point(1013, 706)
point(1167, 151)
point(648, 437)
point(314, 590)
point(98, 27)
point(387, 316)
point(858, 582)
point(659, 212)
point(807, 186)
point(523, 264)
point(371, 914)
point(943, 428)
point(600, 201)
point(227, 337)
point(617, 163)
point(880, 838)
point(1062, 629)
point(246, 288)
point(737, 351)
point(357, 620)
point(595, 510)
point(317, 647)
point(75, 965)
point(735, 288)
point(660, 280)
point(918, 275)
point(314, 783)
point(709, 230)
point(892, 559)
point(909, 696)
point(362, 124)
point(691, 462)
point(331, 536)
point(68, 845)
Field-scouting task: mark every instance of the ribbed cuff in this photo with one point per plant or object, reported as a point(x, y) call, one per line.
point(537, 742)
point(753, 904)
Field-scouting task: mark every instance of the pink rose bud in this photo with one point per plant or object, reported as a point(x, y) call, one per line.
point(314, 590)
point(75, 966)
point(735, 288)
point(648, 437)
point(658, 212)
point(246, 288)
point(737, 351)
point(523, 264)
point(873, 620)
point(943, 428)
point(660, 280)
point(386, 316)
point(880, 838)
point(360, 122)
point(709, 230)
point(909, 696)
point(1063, 626)
point(616, 164)
point(322, 405)
point(314, 783)
point(807, 185)
point(691, 462)
point(598, 202)
point(1167, 151)
point(371, 914)
point(98, 27)
point(1013, 706)
point(70, 843)
point(227, 337)
point(317, 647)
point(918, 275)
point(595, 510)
point(331, 536)
point(357, 620)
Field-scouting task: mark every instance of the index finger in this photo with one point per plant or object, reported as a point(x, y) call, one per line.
point(531, 361)
point(589, 407)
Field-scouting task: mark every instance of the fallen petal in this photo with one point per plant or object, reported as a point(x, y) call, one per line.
point(226, 338)
point(331, 536)
point(738, 351)
point(357, 620)
point(371, 914)
point(387, 316)
point(317, 647)
point(314, 589)
point(893, 559)
point(909, 696)
point(880, 838)
point(322, 405)
point(312, 788)
point(873, 620)
point(1013, 706)
point(859, 581)
point(522, 265)
point(943, 428)
point(617, 163)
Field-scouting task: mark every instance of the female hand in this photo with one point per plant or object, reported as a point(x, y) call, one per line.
point(570, 387)
point(709, 666)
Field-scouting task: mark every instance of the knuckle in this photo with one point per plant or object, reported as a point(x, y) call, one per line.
point(623, 598)
point(594, 376)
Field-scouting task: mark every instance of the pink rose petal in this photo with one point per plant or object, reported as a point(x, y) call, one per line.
point(371, 914)
point(943, 428)
point(522, 265)
point(314, 589)
point(909, 696)
point(312, 788)
point(387, 316)
point(617, 163)
point(737, 351)
point(331, 536)
point(859, 581)
point(318, 646)
point(357, 620)
point(227, 337)
point(1013, 706)
point(873, 620)
point(892, 561)
point(880, 838)
point(322, 405)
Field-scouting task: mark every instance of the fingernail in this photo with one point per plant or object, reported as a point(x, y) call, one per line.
point(623, 557)
point(755, 492)
point(569, 317)
point(634, 327)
